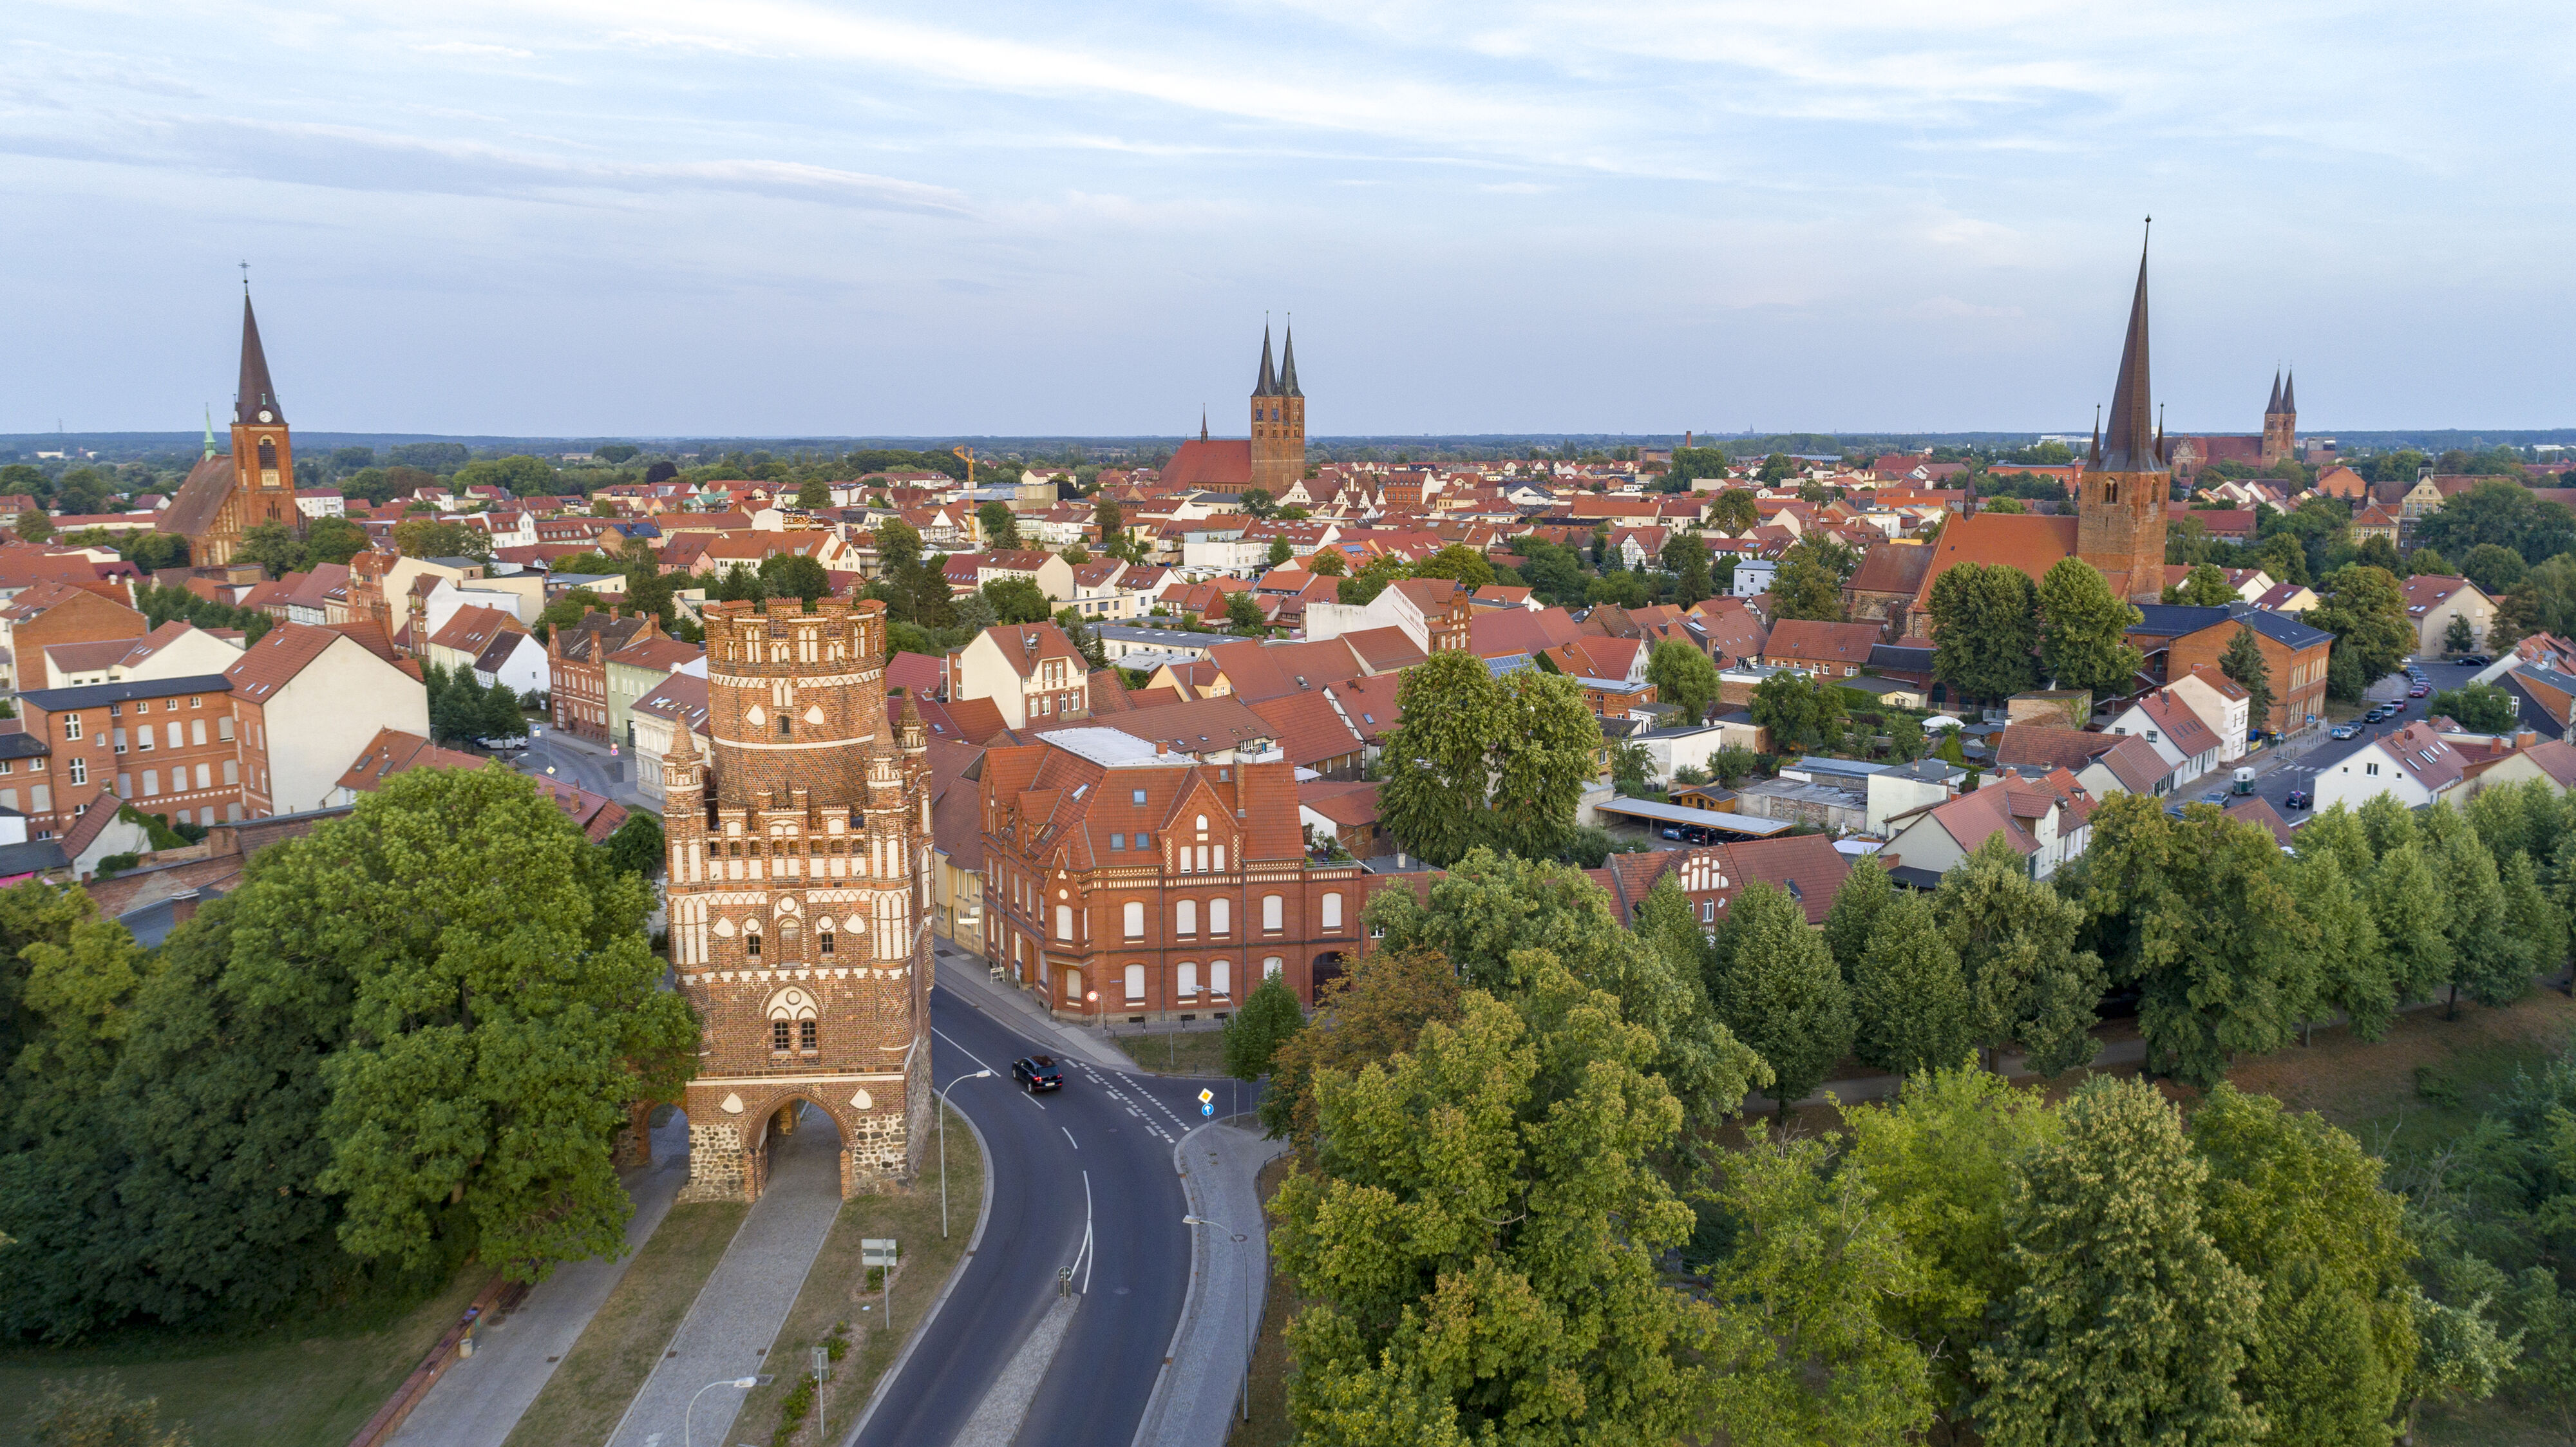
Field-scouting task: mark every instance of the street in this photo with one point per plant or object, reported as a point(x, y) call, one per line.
point(578, 762)
point(2300, 771)
point(1082, 1179)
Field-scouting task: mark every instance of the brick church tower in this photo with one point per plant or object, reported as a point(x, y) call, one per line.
point(225, 497)
point(2281, 420)
point(799, 896)
point(2120, 505)
point(1278, 420)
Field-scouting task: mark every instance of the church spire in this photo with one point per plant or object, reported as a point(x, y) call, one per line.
point(1203, 422)
point(210, 432)
point(256, 400)
point(2273, 406)
point(1288, 362)
point(1268, 386)
point(2093, 458)
point(2126, 448)
point(2290, 392)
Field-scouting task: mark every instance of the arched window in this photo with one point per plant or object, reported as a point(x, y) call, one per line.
point(1202, 826)
point(1332, 911)
point(1274, 912)
point(792, 1018)
point(268, 453)
point(1185, 917)
point(1188, 981)
point(1135, 920)
point(2110, 491)
point(1220, 916)
point(1220, 979)
point(1064, 921)
point(1135, 984)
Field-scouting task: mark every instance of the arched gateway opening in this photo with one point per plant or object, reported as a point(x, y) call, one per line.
point(799, 1149)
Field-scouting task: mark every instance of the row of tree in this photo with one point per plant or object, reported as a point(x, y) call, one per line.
point(1511, 1218)
point(288, 1104)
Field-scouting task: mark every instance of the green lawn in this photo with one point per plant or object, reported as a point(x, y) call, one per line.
point(1177, 1052)
point(291, 1386)
point(582, 1401)
point(838, 1290)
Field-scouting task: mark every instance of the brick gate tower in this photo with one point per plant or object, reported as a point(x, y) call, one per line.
point(2120, 499)
point(799, 896)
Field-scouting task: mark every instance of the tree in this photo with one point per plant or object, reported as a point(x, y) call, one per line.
point(2413, 915)
point(1684, 677)
point(2016, 944)
point(2353, 969)
point(1501, 921)
point(999, 525)
point(519, 474)
point(1779, 991)
point(2298, 1206)
point(2244, 666)
point(1484, 761)
point(2129, 1325)
point(1807, 586)
point(1243, 613)
point(1939, 1161)
point(422, 537)
point(2459, 637)
point(332, 540)
point(2365, 610)
point(2486, 958)
point(2206, 586)
point(794, 575)
point(505, 1013)
point(635, 846)
point(1864, 896)
point(1370, 1014)
point(1017, 600)
point(34, 527)
point(1910, 1001)
point(814, 494)
point(2497, 570)
point(1456, 561)
point(898, 546)
point(1985, 628)
point(2481, 708)
point(2200, 913)
point(1734, 512)
point(1269, 1018)
point(2008, 505)
point(1813, 1263)
point(1477, 1245)
point(1328, 563)
point(98, 1413)
point(1800, 710)
point(2083, 639)
point(1281, 554)
point(1685, 556)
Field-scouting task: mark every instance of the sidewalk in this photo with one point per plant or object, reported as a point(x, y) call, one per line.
point(969, 976)
point(735, 1320)
point(1199, 1395)
point(482, 1396)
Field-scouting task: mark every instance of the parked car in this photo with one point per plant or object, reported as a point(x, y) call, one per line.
point(2473, 660)
point(1038, 1072)
point(2343, 731)
point(2215, 796)
point(2376, 715)
point(504, 746)
point(2299, 799)
point(2420, 690)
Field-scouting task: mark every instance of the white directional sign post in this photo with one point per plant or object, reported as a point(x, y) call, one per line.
point(881, 1251)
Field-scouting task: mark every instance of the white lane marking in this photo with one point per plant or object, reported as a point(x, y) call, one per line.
point(1068, 1135)
point(1089, 1260)
point(979, 1060)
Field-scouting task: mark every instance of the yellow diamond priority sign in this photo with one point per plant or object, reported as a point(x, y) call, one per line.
point(1206, 1095)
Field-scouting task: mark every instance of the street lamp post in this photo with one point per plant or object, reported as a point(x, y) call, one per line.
point(1240, 1239)
point(744, 1384)
point(943, 1145)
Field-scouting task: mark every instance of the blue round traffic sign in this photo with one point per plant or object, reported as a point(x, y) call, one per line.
point(1207, 1110)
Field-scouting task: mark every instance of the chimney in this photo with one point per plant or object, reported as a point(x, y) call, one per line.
point(2526, 738)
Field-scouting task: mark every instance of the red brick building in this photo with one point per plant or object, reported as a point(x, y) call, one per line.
point(168, 745)
point(1122, 883)
point(798, 846)
point(577, 667)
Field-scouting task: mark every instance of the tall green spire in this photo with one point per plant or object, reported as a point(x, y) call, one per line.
point(210, 431)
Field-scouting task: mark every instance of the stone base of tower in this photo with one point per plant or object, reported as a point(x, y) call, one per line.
point(733, 1125)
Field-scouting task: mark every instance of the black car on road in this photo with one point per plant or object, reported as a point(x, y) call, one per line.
point(1038, 1072)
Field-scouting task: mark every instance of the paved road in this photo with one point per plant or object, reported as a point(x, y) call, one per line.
point(1081, 1178)
point(2300, 772)
point(586, 766)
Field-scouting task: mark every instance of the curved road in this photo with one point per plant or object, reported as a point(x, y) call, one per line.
point(1082, 1178)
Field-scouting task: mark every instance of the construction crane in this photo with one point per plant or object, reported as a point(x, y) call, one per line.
point(969, 454)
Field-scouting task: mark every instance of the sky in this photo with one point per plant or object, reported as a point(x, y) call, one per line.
point(791, 218)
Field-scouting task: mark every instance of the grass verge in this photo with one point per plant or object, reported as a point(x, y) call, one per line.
point(838, 1289)
point(589, 1391)
point(300, 1385)
point(1269, 1425)
point(1177, 1052)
